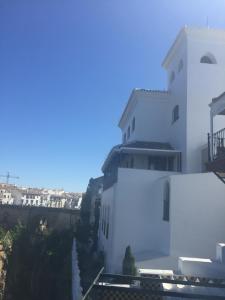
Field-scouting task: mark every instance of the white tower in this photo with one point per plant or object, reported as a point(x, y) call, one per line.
point(196, 73)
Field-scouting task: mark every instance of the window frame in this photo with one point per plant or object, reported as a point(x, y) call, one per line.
point(172, 77)
point(180, 65)
point(166, 202)
point(175, 113)
point(128, 132)
point(124, 137)
point(133, 124)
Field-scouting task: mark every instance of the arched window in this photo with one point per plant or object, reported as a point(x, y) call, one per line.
point(172, 77)
point(208, 59)
point(166, 202)
point(175, 114)
point(180, 66)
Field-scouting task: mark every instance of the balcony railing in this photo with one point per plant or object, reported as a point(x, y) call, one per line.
point(216, 145)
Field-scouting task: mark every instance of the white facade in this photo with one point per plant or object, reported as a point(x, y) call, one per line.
point(193, 86)
point(9, 194)
point(170, 124)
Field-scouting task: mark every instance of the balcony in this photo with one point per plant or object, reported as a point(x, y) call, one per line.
point(140, 156)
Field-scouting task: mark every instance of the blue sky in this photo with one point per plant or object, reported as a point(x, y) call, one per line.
point(66, 71)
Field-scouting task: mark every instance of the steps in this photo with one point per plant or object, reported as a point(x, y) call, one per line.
point(204, 267)
point(221, 176)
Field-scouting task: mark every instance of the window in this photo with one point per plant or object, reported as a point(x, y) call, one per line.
point(180, 66)
point(131, 162)
point(172, 77)
point(161, 163)
point(208, 59)
point(128, 132)
point(175, 114)
point(107, 231)
point(124, 138)
point(107, 226)
point(158, 163)
point(166, 202)
point(133, 124)
point(170, 163)
point(102, 218)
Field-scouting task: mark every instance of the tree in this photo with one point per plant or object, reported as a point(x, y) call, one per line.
point(96, 225)
point(129, 267)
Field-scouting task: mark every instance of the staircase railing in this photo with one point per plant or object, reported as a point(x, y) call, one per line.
point(216, 145)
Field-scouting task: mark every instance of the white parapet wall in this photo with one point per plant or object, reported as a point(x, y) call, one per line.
point(147, 272)
point(220, 252)
point(203, 267)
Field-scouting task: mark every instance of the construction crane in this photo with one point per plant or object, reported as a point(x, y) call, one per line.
point(8, 176)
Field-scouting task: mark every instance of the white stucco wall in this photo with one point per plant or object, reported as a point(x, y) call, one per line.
point(197, 214)
point(136, 216)
point(150, 112)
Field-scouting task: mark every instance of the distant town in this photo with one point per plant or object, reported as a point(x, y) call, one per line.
point(11, 194)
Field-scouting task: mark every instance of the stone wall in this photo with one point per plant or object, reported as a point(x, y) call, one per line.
point(56, 218)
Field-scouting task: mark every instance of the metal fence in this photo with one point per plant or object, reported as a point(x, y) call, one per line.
point(155, 287)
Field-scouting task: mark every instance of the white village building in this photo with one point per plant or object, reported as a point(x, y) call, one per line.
point(157, 196)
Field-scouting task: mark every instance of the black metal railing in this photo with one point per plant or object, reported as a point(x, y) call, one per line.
point(107, 286)
point(216, 145)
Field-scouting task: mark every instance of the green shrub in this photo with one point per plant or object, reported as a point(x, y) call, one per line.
point(129, 267)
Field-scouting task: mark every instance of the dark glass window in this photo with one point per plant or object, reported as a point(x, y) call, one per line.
point(107, 230)
point(170, 163)
point(132, 162)
point(128, 132)
point(157, 163)
point(172, 77)
point(180, 66)
point(175, 114)
point(133, 124)
point(124, 138)
point(166, 202)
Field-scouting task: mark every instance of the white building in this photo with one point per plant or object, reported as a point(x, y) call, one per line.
point(10, 194)
point(33, 197)
point(13, 195)
point(156, 198)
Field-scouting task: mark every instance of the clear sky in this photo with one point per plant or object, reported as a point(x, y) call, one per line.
point(67, 68)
